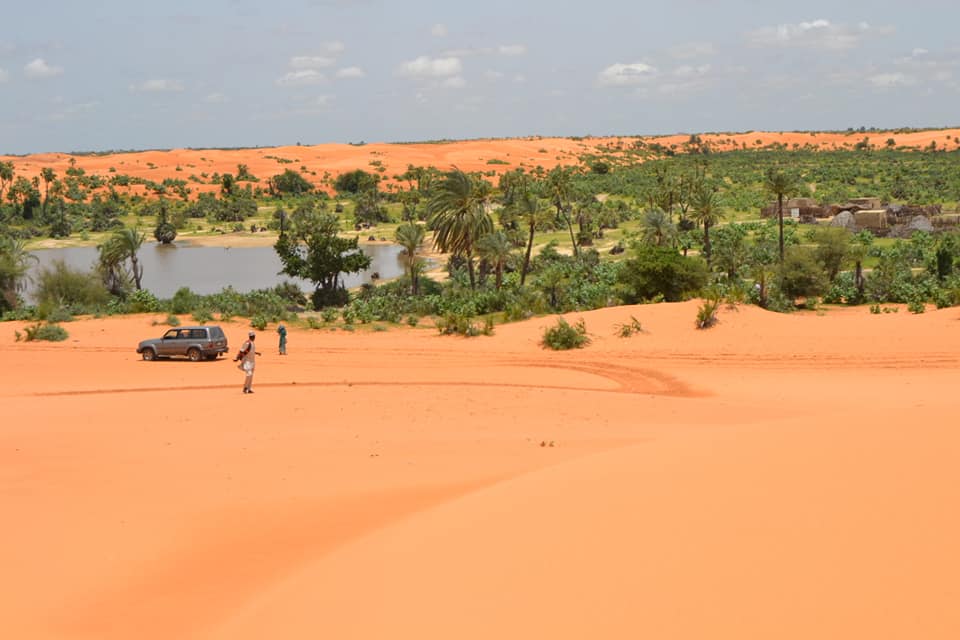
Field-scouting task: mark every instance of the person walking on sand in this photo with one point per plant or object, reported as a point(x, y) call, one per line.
point(248, 361)
point(282, 330)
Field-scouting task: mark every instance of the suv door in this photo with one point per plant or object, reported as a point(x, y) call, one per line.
point(168, 345)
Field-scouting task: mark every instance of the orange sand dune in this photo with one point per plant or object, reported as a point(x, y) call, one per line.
point(773, 477)
point(318, 161)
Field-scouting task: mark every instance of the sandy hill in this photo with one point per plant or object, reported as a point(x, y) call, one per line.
point(777, 476)
point(497, 155)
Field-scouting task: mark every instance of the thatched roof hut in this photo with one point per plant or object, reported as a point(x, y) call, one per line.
point(804, 209)
point(872, 219)
point(844, 219)
point(868, 202)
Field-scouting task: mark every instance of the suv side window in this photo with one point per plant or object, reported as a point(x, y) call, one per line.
point(198, 334)
point(172, 334)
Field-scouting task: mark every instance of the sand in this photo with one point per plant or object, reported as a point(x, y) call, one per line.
point(777, 476)
point(321, 163)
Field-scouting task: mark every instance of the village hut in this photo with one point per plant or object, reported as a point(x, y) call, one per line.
point(868, 202)
point(845, 220)
point(873, 219)
point(800, 209)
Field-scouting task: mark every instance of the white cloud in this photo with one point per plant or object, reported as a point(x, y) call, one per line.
point(889, 80)
point(501, 50)
point(69, 110)
point(455, 82)
point(687, 71)
point(686, 79)
point(622, 75)
point(512, 49)
point(438, 30)
point(425, 66)
point(311, 62)
point(492, 75)
point(158, 85)
point(38, 68)
point(301, 78)
point(215, 98)
point(4, 76)
point(816, 34)
point(351, 72)
point(519, 78)
point(924, 67)
point(334, 47)
point(691, 50)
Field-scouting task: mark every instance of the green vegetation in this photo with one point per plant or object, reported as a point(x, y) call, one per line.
point(634, 222)
point(563, 336)
point(40, 331)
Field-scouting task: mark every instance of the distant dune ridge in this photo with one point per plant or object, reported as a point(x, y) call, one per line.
point(776, 476)
point(470, 155)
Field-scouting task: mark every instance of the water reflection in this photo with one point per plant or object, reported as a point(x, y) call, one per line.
point(209, 269)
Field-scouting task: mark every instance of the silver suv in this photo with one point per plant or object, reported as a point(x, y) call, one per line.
point(195, 343)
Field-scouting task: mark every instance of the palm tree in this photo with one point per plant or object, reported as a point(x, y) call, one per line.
point(560, 189)
point(48, 175)
point(14, 264)
point(410, 235)
point(495, 248)
point(6, 176)
point(458, 216)
point(110, 266)
point(126, 243)
point(706, 211)
point(529, 207)
point(657, 228)
point(779, 183)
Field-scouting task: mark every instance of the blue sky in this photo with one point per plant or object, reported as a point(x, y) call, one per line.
point(80, 76)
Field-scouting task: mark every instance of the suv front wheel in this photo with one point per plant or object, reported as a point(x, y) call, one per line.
point(149, 354)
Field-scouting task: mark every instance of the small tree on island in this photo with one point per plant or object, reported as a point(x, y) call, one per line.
point(312, 249)
point(165, 232)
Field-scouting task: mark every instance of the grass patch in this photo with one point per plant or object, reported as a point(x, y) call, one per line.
point(48, 332)
point(563, 336)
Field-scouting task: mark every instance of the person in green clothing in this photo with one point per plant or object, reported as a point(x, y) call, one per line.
point(282, 330)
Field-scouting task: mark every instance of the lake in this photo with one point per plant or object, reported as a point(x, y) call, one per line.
point(207, 270)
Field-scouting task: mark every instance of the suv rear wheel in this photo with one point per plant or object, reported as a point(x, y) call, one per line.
point(194, 354)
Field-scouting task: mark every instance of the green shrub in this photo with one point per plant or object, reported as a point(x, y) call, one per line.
point(172, 320)
point(627, 329)
point(661, 271)
point(143, 301)
point(329, 314)
point(563, 336)
point(461, 324)
point(413, 320)
point(916, 306)
point(202, 316)
point(62, 286)
point(59, 315)
point(707, 313)
point(183, 301)
point(20, 313)
point(801, 274)
point(49, 332)
point(258, 322)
